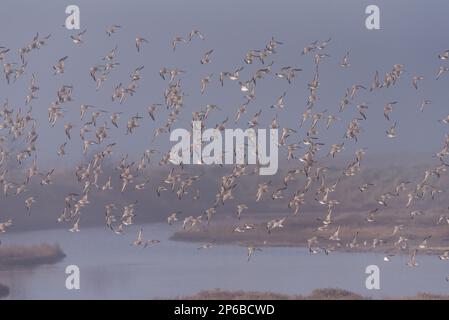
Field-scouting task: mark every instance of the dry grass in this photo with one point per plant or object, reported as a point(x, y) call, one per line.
point(333, 294)
point(218, 294)
point(318, 294)
point(427, 296)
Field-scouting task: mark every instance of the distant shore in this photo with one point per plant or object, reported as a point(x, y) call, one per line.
point(298, 230)
point(29, 256)
point(318, 294)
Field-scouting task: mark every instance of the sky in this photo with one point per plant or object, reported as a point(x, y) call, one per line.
point(412, 33)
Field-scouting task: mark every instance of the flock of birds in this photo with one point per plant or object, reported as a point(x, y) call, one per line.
point(94, 130)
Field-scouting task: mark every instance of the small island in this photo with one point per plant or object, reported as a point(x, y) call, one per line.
point(299, 229)
point(29, 256)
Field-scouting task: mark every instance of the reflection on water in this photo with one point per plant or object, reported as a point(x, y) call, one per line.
point(112, 269)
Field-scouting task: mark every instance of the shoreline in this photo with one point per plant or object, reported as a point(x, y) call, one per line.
point(342, 249)
point(380, 251)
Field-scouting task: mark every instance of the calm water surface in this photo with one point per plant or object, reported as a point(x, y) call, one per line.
point(113, 269)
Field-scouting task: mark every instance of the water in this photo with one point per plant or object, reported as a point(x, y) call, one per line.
point(113, 269)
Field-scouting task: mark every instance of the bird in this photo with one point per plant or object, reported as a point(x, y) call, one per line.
point(388, 108)
point(75, 227)
point(112, 29)
point(391, 132)
point(3, 52)
point(77, 39)
point(177, 40)
point(83, 110)
point(235, 75)
point(423, 244)
point(173, 217)
point(441, 71)
point(240, 209)
point(67, 128)
point(29, 203)
point(309, 48)
point(397, 228)
point(354, 89)
point(151, 242)
point(424, 103)
point(416, 213)
point(444, 55)
point(139, 240)
point(245, 86)
point(345, 61)
point(330, 119)
point(208, 245)
point(274, 224)
point(445, 120)
point(279, 102)
point(46, 178)
point(306, 115)
point(415, 80)
point(366, 186)
point(61, 149)
point(59, 67)
point(444, 255)
point(114, 118)
point(288, 73)
point(336, 148)
point(412, 261)
point(8, 69)
point(250, 251)
point(119, 229)
point(354, 244)
point(206, 57)
point(262, 188)
point(204, 82)
point(139, 41)
point(376, 83)
point(5, 225)
point(110, 55)
point(336, 235)
point(197, 33)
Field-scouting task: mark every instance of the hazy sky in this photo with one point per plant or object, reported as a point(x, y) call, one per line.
point(412, 33)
